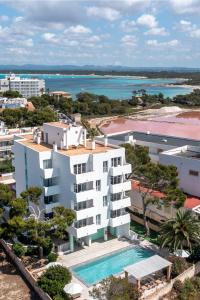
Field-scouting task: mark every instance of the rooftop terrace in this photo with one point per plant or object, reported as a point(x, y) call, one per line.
point(79, 150)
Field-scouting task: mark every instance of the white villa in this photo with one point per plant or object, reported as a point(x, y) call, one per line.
point(87, 176)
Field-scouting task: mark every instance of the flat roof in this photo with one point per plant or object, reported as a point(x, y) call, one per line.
point(188, 154)
point(147, 266)
point(79, 150)
point(57, 124)
point(173, 129)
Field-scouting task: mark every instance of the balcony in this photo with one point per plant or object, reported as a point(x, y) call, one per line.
point(84, 177)
point(85, 213)
point(121, 220)
point(122, 203)
point(120, 187)
point(50, 206)
point(119, 170)
point(51, 190)
point(83, 231)
point(48, 173)
point(83, 196)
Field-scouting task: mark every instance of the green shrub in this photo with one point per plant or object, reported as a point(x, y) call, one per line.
point(19, 249)
point(177, 286)
point(32, 251)
point(179, 265)
point(195, 255)
point(48, 246)
point(190, 289)
point(52, 257)
point(54, 279)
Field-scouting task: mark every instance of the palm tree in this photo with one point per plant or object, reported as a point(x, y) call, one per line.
point(180, 232)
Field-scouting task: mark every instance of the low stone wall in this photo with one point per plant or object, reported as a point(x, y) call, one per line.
point(189, 273)
point(24, 272)
point(140, 221)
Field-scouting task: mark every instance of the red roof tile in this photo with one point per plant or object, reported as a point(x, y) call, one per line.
point(190, 201)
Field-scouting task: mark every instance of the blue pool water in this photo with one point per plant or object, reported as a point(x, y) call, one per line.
point(101, 268)
point(115, 87)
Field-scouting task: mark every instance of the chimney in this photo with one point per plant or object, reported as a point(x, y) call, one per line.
point(38, 139)
point(55, 147)
point(85, 138)
point(105, 140)
point(93, 145)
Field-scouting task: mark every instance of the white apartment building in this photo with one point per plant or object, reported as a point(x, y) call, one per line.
point(87, 176)
point(27, 87)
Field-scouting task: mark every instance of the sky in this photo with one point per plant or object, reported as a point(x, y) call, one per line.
point(136, 33)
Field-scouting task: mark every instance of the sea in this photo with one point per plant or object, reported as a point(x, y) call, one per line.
point(114, 87)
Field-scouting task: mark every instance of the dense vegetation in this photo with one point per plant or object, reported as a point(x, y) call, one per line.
point(115, 288)
point(53, 281)
point(192, 99)
point(21, 117)
point(189, 290)
point(24, 221)
point(6, 166)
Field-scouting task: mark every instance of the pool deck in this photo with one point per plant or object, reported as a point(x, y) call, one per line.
point(97, 249)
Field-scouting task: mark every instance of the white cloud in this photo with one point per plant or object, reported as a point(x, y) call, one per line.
point(129, 40)
point(27, 43)
point(107, 13)
point(78, 29)
point(157, 31)
point(4, 18)
point(147, 20)
point(185, 6)
point(195, 33)
point(186, 25)
point(156, 44)
point(128, 25)
point(49, 37)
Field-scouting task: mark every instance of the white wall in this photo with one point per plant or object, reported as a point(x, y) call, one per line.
point(188, 183)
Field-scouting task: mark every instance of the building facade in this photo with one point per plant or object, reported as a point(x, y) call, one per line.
point(27, 87)
point(87, 176)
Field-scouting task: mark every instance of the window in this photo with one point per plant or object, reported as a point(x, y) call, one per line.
point(105, 166)
point(80, 168)
point(83, 205)
point(118, 213)
point(84, 222)
point(115, 197)
point(48, 215)
point(50, 199)
point(47, 164)
point(82, 187)
point(98, 219)
point(116, 179)
point(116, 161)
point(50, 181)
point(98, 185)
point(193, 173)
point(105, 200)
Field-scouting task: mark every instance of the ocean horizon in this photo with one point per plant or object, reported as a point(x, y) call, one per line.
point(114, 87)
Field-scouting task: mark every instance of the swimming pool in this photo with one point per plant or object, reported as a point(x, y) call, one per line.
point(114, 263)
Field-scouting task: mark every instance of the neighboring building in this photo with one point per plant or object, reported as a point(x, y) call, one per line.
point(59, 95)
point(158, 212)
point(187, 161)
point(27, 87)
point(87, 176)
point(7, 139)
point(12, 102)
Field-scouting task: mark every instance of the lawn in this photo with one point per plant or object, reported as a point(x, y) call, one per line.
point(140, 229)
